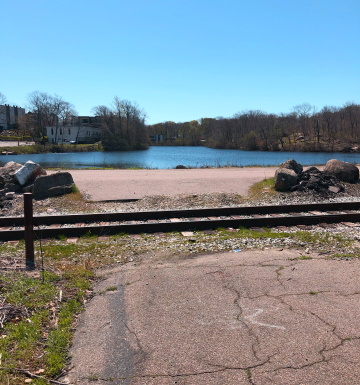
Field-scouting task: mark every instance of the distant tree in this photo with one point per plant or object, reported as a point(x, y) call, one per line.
point(123, 126)
point(2, 98)
point(303, 113)
point(351, 112)
point(2, 109)
point(49, 110)
point(250, 141)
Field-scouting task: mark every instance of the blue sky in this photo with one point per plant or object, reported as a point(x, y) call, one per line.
point(182, 60)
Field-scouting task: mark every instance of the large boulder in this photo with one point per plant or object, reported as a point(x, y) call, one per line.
point(292, 164)
point(285, 179)
point(52, 185)
point(7, 172)
point(28, 172)
point(343, 171)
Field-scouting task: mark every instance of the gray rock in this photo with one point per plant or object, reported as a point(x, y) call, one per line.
point(53, 185)
point(334, 189)
point(285, 179)
point(312, 170)
point(292, 164)
point(7, 172)
point(343, 171)
point(28, 172)
point(9, 196)
point(12, 187)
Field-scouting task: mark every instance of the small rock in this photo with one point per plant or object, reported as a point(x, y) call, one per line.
point(12, 186)
point(187, 233)
point(292, 164)
point(9, 196)
point(334, 189)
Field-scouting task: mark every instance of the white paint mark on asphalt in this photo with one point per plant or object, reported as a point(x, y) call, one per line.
point(252, 319)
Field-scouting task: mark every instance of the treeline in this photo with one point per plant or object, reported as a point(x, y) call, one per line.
point(123, 127)
point(304, 129)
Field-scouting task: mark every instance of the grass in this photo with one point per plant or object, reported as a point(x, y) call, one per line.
point(50, 148)
point(322, 239)
point(351, 255)
point(37, 335)
point(261, 189)
point(244, 232)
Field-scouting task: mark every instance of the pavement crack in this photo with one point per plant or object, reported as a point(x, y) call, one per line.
point(249, 376)
point(140, 349)
point(220, 369)
point(247, 370)
point(278, 275)
point(240, 314)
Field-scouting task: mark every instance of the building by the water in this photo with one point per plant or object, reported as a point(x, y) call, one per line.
point(9, 116)
point(81, 129)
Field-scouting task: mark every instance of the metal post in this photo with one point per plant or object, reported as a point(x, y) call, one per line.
point(29, 231)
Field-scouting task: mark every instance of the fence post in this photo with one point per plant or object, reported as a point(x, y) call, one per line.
point(29, 231)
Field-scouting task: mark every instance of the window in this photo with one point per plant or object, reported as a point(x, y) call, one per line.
point(60, 131)
point(52, 131)
point(69, 131)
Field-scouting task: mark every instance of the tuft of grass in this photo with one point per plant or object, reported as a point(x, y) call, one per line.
point(260, 189)
point(111, 288)
point(74, 189)
point(244, 232)
point(304, 257)
point(345, 255)
point(59, 339)
point(322, 238)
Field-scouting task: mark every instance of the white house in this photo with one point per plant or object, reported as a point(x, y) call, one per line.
point(9, 116)
point(82, 129)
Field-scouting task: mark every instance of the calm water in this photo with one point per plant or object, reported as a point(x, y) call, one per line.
point(170, 157)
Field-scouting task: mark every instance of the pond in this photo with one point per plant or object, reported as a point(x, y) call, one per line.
point(168, 157)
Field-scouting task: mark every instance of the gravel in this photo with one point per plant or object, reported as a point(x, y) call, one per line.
point(175, 243)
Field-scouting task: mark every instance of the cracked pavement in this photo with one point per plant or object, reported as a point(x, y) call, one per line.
point(251, 317)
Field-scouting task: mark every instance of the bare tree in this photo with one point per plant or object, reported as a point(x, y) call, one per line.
point(123, 125)
point(2, 109)
point(303, 113)
point(49, 110)
point(2, 98)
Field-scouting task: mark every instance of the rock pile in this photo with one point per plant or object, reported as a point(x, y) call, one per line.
point(31, 177)
point(291, 177)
